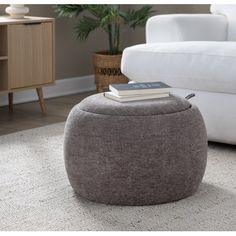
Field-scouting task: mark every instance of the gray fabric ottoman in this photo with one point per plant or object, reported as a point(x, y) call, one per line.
point(136, 153)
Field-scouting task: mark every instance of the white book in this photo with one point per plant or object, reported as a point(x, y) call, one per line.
point(131, 98)
point(139, 88)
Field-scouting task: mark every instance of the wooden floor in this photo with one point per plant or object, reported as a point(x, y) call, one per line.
point(28, 115)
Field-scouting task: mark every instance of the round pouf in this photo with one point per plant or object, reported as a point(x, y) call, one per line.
point(135, 153)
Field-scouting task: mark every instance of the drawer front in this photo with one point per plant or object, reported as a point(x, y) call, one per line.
point(30, 54)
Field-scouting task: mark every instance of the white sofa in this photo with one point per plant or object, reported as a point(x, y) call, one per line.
point(193, 53)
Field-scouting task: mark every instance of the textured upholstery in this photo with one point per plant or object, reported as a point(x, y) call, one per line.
point(141, 108)
point(135, 159)
point(206, 66)
point(186, 27)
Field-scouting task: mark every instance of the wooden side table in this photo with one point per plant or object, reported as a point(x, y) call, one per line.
point(27, 58)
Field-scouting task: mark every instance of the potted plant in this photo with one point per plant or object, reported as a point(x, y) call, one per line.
point(110, 18)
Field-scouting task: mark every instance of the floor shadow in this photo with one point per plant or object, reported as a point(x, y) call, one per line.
point(224, 146)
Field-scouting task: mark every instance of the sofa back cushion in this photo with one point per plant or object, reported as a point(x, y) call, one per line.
point(229, 11)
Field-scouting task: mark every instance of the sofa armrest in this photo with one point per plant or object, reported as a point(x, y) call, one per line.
point(186, 27)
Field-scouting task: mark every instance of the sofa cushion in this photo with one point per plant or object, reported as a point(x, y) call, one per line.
point(207, 66)
point(229, 11)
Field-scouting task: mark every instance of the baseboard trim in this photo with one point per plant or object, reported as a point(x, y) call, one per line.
point(63, 87)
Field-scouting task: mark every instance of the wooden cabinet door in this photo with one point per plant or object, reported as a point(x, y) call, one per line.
point(30, 54)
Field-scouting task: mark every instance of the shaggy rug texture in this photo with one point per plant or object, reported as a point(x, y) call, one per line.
point(35, 193)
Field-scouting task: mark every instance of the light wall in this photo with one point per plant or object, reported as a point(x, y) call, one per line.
point(74, 58)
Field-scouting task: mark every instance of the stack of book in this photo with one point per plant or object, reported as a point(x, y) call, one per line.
point(137, 91)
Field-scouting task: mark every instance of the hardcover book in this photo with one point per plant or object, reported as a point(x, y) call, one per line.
point(130, 98)
point(140, 88)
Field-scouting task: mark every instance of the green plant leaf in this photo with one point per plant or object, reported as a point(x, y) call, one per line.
point(69, 10)
point(106, 16)
point(98, 11)
point(137, 17)
point(85, 26)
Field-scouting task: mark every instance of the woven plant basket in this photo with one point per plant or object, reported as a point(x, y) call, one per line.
point(107, 70)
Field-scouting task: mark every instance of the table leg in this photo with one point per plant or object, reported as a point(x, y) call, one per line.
point(10, 102)
point(41, 99)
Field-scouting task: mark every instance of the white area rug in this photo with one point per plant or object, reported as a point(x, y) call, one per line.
point(35, 193)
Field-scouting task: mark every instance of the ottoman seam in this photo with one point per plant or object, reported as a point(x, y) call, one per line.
point(189, 108)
